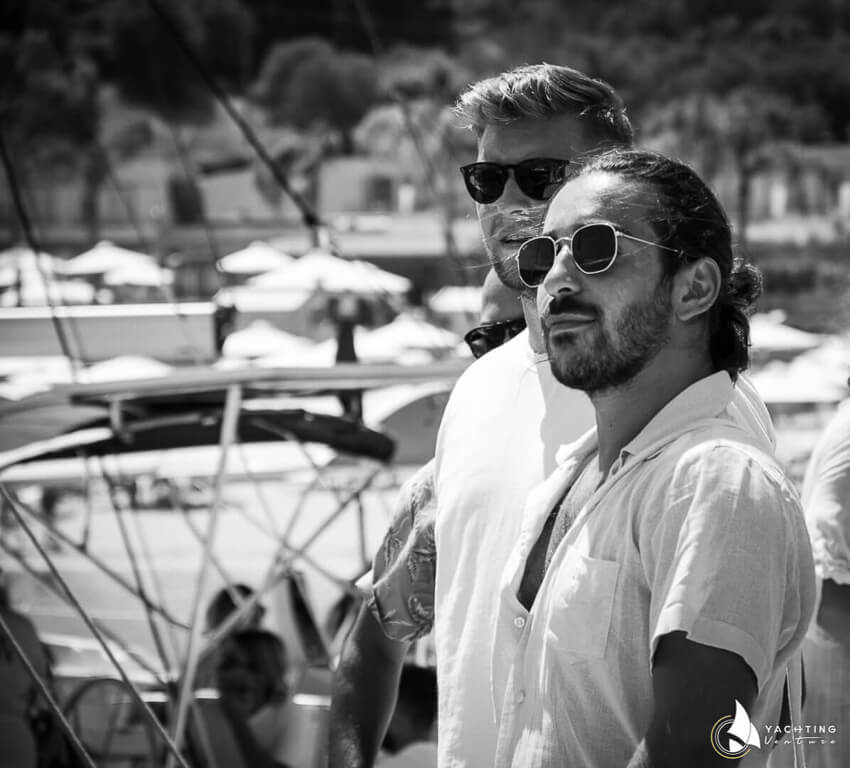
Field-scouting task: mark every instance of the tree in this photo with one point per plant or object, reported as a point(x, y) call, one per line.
point(51, 112)
point(742, 130)
point(311, 86)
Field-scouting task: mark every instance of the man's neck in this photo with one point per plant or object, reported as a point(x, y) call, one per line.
point(532, 321)
point(622, 413)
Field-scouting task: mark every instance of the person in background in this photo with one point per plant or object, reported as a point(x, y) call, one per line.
point(221, 607)
point(346, 312)
point(226, 601)
point(826, 649)
point(19, 696)
point(412, 733)
point(368, 675)
point(250, 677)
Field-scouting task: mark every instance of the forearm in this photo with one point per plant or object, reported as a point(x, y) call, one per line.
point(364, 694)
point(693, 686)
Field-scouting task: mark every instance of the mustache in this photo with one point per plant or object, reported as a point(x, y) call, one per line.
point(563, 304)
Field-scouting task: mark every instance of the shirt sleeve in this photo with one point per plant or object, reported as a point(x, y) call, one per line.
point(826, 496)
point(727, 557)
point(402, 597)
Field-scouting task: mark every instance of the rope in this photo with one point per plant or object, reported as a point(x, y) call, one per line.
point(308, 215)
point(13, 503)
point(42, 687)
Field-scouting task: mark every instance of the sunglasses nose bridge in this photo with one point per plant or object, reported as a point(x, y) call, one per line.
point(512, 194)
point(564, 275)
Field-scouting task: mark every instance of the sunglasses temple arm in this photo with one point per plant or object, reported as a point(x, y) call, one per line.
point(647, 242)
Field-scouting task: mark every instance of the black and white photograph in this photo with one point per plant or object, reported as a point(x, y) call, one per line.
point(437, 384)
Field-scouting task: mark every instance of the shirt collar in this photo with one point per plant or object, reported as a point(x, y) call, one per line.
point(704, 399)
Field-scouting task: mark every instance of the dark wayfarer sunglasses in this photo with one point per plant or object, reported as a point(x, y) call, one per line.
point(538, 178)
point(487, 336)
point(593, 248)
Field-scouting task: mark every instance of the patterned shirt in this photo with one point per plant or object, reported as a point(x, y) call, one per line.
point(402, 598)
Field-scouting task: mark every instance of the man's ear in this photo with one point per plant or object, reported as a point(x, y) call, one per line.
point(695, 288)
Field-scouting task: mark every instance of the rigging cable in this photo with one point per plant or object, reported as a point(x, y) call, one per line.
point(57, 576)
point(432, 175)
point(133, 218)
point(309, 217)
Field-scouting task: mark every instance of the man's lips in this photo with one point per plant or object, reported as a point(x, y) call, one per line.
point(513, 241)
point(565, 321)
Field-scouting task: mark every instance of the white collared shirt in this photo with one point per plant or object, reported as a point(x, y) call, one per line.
point(695, 529)
point(504, 423)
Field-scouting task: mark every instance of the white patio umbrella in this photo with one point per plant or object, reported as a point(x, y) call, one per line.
point(21, 259)
point(255, 259)
point(261, 339)
point(126, 367)
point(457, 299)
point(321, 270)
point(769, 333)
point(254, 300)
point(140, 274)
point(33, 293)
point(801, 381)
point(407, 340)
point(103, 257)
point(42, 376)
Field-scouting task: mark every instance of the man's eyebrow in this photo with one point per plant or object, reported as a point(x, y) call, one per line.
point(553, 231)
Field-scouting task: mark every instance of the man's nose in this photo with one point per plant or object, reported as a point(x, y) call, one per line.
point(513, 196)
point(563, 277)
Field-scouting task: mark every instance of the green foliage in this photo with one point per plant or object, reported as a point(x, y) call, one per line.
point(148, 64)
point(47, 101)
point(309, 84)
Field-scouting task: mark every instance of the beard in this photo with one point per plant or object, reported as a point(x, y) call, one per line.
point(521, 224)
point(595, 359)
point(504, 265)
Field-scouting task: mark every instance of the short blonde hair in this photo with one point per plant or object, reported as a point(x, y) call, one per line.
point(541, 91)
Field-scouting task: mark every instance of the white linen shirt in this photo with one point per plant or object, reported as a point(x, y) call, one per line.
point(695, 529)
point(503, 426)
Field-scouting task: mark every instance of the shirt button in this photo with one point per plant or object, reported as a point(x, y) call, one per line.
point(520, 697)
point(519, 622)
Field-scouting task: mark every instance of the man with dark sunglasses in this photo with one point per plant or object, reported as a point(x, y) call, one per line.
point(501, 317)
point(662, 575)
point(504, 423)
point(401, 598)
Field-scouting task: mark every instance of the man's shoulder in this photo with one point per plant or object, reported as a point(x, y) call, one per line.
point(514, 355)
point(724, 458)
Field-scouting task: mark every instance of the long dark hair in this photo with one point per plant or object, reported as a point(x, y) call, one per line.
point(688, 217)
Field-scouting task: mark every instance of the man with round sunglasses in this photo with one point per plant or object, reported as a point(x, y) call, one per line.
point(663, 577)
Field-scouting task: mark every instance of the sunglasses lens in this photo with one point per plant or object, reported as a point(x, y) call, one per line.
point(540, 179)
point(534, 259)
point(481, 341)
point(594, 248)
point(487, 337)
point(485, 182)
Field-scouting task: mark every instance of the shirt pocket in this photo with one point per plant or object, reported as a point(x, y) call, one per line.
point(580, 606)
